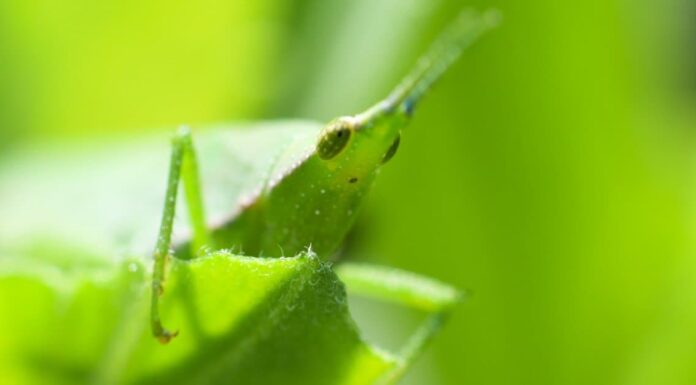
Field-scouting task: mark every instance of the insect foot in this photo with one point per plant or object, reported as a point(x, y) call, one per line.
point(161, 334)
point(158, 331)
point(167, 336)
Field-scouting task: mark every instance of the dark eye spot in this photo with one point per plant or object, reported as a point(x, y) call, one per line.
point(392, 150)
point(333, 140)
point(353, 180)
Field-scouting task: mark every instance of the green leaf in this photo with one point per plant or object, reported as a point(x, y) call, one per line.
point(242, 320)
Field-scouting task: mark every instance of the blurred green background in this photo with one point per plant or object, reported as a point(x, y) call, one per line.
point(550, 172)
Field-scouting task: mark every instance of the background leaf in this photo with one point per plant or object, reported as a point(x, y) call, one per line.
point(118, 184)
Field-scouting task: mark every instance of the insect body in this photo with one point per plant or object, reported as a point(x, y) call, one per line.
point(78, 220)
point(313, 202)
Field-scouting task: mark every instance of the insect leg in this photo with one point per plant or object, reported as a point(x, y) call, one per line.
point(182, 166)
point(405, 289)
point(192, 189)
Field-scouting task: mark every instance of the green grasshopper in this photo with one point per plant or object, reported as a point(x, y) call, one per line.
point(314, 202)
point(302, 195)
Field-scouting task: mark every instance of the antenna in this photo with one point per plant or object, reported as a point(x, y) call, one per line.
point(461, 34)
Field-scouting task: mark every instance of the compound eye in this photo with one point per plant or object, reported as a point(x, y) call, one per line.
point(334, 139)
point(392, 150)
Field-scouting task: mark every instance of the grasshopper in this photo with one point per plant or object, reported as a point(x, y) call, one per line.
point(73, 275)
point(313, 202)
